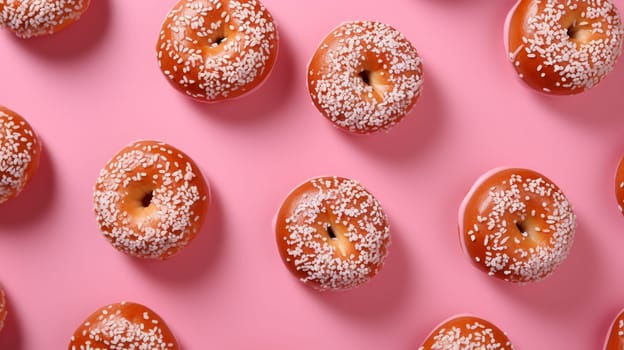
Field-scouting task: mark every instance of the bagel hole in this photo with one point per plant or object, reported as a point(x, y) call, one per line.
point(330, 232)
point(147, 199)
point(219, 40)
point(365, 75)
point(572, 30)
point(522, 227)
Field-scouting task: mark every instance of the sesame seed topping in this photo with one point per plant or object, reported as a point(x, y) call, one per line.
point(28, 18)
point(123, 327)
point(467, 333)
point(345, 80)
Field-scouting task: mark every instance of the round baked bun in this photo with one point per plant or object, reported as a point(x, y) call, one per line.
point(30, 18)
point(516, 224)
point(214, 50)
point(332, 233)
point(365, 77)
point(150, 200)
point(123, 326)
point(20, 151)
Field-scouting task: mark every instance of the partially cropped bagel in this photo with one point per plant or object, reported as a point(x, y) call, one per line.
point(516, 225)
point(28, 18)
point(365, 76)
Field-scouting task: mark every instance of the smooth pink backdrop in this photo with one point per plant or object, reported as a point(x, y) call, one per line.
point(92, 89)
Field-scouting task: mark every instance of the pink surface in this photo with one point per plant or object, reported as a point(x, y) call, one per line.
point(94, 88)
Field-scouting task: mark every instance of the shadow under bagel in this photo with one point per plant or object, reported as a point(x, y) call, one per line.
point(197, 259)
point(376, 299)
point(30, 206)
point(412, 136)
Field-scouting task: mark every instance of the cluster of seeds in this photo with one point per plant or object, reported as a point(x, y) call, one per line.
point(568, 45)
point(615, 337)
point(123, 326)
point(524, 229)
point(20, 150)
point(28, 18)
point(217, 49)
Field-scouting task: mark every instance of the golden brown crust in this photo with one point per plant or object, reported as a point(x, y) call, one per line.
point(467, 332)
point(564, 47)
point(517, 225)
point(125, 325)
point(619, 185)
point(20, 151)
point(615, 338)
point(29, 18)
point(365, 76)
point(214, 50)
point(150, 200)
point(332, 233)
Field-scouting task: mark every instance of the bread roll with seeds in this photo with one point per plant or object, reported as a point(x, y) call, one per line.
point(20, 151)
point(332, 233)
point(29, 18)
point(213, 50)
point(365, 77)
point(125, 325)
point(467, 333)
point(516, 225)
point(564, 47)
point(150, 200)
point(619, 185)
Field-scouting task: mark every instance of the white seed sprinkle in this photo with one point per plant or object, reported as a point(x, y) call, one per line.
point(508, 253)
point(338, 89)
point(28, 18)
point(366, 230)
point(177, 196)
point(565, 62)
point(193, 34)
point(467, 333)
point(20, 150)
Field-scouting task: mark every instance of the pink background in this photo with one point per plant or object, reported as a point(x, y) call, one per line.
point(94, 88)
